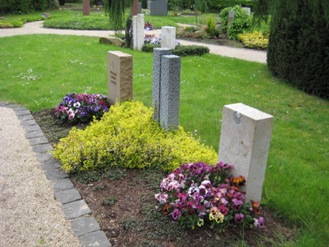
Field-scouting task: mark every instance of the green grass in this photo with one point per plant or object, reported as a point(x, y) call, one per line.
point(38, 70)
point(72, 17)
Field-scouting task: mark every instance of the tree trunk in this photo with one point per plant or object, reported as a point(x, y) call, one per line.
point(134, 9)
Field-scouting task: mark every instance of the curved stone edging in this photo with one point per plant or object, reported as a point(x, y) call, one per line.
point(75, 209)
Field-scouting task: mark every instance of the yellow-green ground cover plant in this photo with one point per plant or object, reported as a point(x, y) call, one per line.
point(127, 136)
point(255, 40)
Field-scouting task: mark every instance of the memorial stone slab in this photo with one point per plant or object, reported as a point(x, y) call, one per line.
point(138, 31)
point(244, 143)
point(156, 88)
point(168, 37)
point(247, 9)
point(159, 7)
point(120, 85)
point(170, 91)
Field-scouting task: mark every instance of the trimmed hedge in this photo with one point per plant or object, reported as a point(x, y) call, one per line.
point(181, 50)
point(298, 50)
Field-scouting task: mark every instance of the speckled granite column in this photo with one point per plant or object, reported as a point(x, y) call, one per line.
point(157, 54)
point(170, 90)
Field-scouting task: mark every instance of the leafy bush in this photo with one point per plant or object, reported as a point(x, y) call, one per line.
point(25, 6)
point(127, 136)
point(11, 23)
point(81, 107)
point(19, 22)
point(211, 27)
point(240, 24)
point(190, 50)
point(255, 40)
point(79, 23)
point(181, 50)
point(197, 193)
point(150, 47)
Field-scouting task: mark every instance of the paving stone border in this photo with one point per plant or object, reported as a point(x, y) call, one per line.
point(75, 209)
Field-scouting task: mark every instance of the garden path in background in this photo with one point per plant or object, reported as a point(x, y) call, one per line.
point(37, 28)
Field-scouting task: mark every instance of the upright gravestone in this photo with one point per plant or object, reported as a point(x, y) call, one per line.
point(138, 31)
point(247, 9)
point(168, 37)
point(169, 91)
point(156, 90)
point(245, 142)
point(158, 7)
point(120, 84)
point(86, 7)
point(230, 20)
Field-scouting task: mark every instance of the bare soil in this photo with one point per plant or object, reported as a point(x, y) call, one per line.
point(123, 203)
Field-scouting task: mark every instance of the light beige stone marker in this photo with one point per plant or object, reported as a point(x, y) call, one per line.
point(244, 143)
point(120, 76)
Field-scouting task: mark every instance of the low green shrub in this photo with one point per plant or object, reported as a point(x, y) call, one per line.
point(79, 23)
point(211, 27)
point(241, 23)
point(11, 23)
point(127, 136)
point(255, 40)
point(190, 50)
point(181, 50)
point(149, 47)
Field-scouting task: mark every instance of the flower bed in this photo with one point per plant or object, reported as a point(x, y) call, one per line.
point(196, 194)
point(81, 107)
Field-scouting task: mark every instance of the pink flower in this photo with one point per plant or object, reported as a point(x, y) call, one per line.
point(237, 204)
point(162, 198)
point(176, 214)
point(238, 218)
point(224, 210)
point(259, 222)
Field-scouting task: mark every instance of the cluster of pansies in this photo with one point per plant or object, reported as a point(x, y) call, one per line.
point(151, 39)
point(81, 107)
point(196, 194)
point(148, 26)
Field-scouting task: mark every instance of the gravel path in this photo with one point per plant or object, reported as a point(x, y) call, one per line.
point(29, 214)
point(37, 28)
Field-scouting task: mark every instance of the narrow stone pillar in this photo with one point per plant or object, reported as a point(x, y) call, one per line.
point(138, 31)
point(170, 90)
point(244, 143)
point(168, 37)
point(86, 7)
point(156, 86)
point(120, 84)
point(230, 20)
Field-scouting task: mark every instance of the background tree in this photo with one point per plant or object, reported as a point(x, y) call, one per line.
point(298, 49)
point(25, 6)
point(117, 12)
